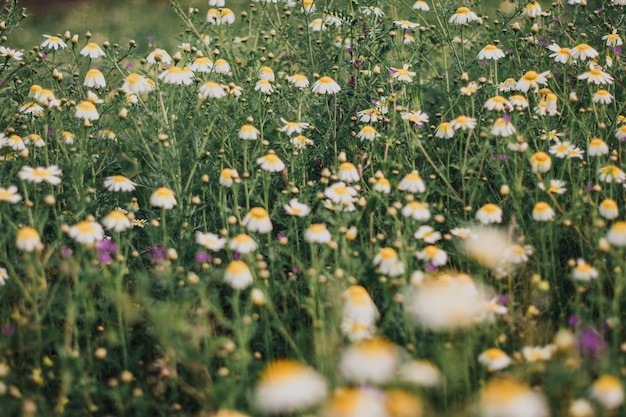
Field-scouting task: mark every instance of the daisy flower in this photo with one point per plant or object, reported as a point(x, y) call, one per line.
point(317, 233)
point(10, 194)
point(177, 76)
point(326, 85)
point(348, 173)
point(238, 275)
point(602, 97)
point(163, 197)
point(368, 132)
point(28, 240)
point(287, 386)
point(87, 232)
point(531, 80)
point(412, 182)
point(498, 104)
point(403, 74)
point(248, 132)
point(583, 271)
point(117, 220)
point(611, 173)
point(293, 127)
point(489, 213)
point(388, 263)
point(92, 50)
point(596, 76)
point(38, 175)
point(490, 52)
point(608, 209)
point(258, 220)
point(243, 243)
point(211, 89)
point(607, 391)
point(53, 42)
point(494, 359)
point(416, 210)
point(372, 361)
point(540, 162)
point(463, 123)
point(159, 55)
point(561, 55)
point(542, 212)
point(210, 241)
point(583, 51)
point(462, 16)
point(296, 208)
point(271, 162)
point(444, 131)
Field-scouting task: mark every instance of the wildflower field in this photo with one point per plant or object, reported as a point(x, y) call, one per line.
point(317, 208)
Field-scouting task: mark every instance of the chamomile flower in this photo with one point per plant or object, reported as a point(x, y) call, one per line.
point(308, 6)
point(611, 174)
point(489, 213)
point(542, 212)
point(503, 127)
point(10, 194)
point(177, 76)
point(298, 80)
point(223, 16)
point(286, 386)
point(540, 162)
point(243, 243)
point(326, 85)
point(372, 361)
point(532, 10)
point(519, 102)
point(372, 10)
point(296, 208)
point(403, 74)
point(416, 210)
point(92, 50)
point(416, 117)
point(382, 185)
point(202, 64)
point(356, 402)
point(317, 25)
point(388, 263)
point(258, 220)
point(355, 331)
point(248, 132)
point(163, 197)
point(506, 397)
point(293, 127)
point(358, 306)
point(31, 108)
point(517, 254)
point(87, 111)
point(117, 220)
point(421, 5)
point(463, 123)
point(420, 372)
point(221, 66)
point(159, 55)
point(300, 142)
point(136, 84)
point(471, 88)
point(117, 183)
point(608, 209)
point(210, 241)
point(617, 234)
point(4, 276)
point(498, 104)
point(53, 42)
point(555, 187)
point(94, 79)
point(613, 39)
point(412, 182)
point(561, 149)
point(368, 132)
point(9, 53)
point(271, 162)
point(87, 232)
point(620, 132)
point(28, 240)
point(583, 52)
point(491, 52)
point(462, 16)
point(433, 255)
point(405, 24)
point(340, 193)
point(264, 87)
point(238, 275)
point(561, 55)
point(607, 391)
point(531, 80)
point(50, 174)
point(427, 234)
point(494, 359)
point(15, 142)
point(267, 74)
point(602, 97)
point(583, 271)
point(596, 76)
point(211, 89)
point(317, 233)
point(445, 130)
point(348, 173)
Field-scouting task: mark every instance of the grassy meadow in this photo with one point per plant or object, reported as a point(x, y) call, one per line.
point(314, 208)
